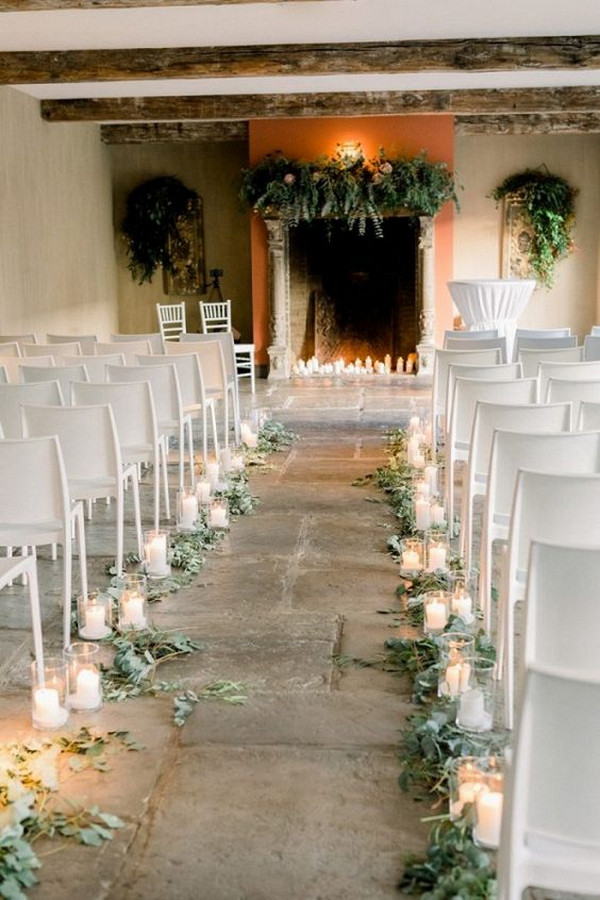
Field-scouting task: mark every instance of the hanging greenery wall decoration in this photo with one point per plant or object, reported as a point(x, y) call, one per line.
point(156, 211)
point(347, 187)
point(549, 203)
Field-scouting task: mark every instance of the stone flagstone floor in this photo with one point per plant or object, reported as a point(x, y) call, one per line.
point(294, 795)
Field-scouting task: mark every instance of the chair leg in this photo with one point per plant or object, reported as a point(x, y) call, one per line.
point(214, 428)
point(226, 418)
point(181, 454)
point(67, 585)
point(509, 662)
point(163, 456)
point(252, 373)
point(120, 528)
point(135, 490)
point(190, 438)
point(156, 484)
point(36, 617)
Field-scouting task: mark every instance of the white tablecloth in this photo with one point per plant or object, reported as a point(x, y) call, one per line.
point(492, 303)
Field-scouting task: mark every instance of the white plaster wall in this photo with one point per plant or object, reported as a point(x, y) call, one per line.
point(57, 261)
point(481, 163)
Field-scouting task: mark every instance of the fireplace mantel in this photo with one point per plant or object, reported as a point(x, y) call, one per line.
point(280, 353)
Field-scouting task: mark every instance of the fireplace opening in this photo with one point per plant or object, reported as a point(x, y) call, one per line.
point(354, 296)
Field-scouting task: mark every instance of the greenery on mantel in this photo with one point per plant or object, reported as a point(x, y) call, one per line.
point(347, 187)
point(549, 202)
point(155, 211)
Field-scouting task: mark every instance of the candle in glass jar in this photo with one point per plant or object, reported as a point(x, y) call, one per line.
point(462, 605)
point(422, 488)
point(211, 470)
point(225, 459)
point(419, 460)
point(189, 511)
point(422, 513)
point(48, 713)
point(430, 474)
point(156, 554)
point(471, 709)
point(438, 516)
point(457, 678)
point(88, 694)
point(435, 616)
point(218, 517)
point(414, 423)
point(467, 793)
point(203, 491)
point(95, 622)
point(132, 605)
point(488, 805)
point(437, 557)
point(411, 560)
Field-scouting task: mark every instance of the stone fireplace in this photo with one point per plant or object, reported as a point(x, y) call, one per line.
point(336, 294)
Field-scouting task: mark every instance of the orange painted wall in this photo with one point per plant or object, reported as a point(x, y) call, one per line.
point(309, 138)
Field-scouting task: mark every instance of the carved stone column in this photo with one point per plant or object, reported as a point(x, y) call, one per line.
point(279, 300)
point(426, 345)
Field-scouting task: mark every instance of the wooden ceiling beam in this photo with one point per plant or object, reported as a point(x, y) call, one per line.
point(555, 123)
point(489, 55)
point(174, 132)
point(235, 107)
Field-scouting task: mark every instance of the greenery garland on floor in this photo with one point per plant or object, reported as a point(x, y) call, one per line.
point(454, 867)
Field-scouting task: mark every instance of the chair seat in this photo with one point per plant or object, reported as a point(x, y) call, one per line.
point(568, 852)
point(502, 520)
point(87, 488)
point(30, 532)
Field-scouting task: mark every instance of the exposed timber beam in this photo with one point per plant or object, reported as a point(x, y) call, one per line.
point(174, 132)
point(234, 107)
point(497, 55)
point(555, 123)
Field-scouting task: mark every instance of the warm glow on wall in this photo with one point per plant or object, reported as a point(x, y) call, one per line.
point(350, 151)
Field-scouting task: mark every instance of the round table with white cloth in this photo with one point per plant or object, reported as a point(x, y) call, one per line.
point(492, 303)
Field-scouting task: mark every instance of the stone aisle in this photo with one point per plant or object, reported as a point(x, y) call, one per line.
point(294, 795)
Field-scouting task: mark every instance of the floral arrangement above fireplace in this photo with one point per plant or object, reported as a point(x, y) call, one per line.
point(347, 186)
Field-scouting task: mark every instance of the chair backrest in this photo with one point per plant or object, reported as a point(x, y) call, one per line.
point(211, 359)
point(589, 416)
point(531, 417)
point(85, 341)
point(189, 375)
point(532, 357)
point(553, 790)
point(574, 371)
point(164, 383)
point(225, 338)
point(562, 613)
point(591, 347)
point(87, 436)
point(171, 320)
point(67, 348)
point(12, 396)
point(132, 406)
point(460, 343)
point(502, 372)
point(443, 359)
point(215, 316)
point(156, 341)
point(11, 348)
point(4, 379)
point(33, 484)
point(538, 334)
point(561, 389)
point(469, 392)
point(561, 508)
point(595, 330)
point(470, 335)
point(96, 365)
point(30, 338)
point(129, 349)
point(65, 375)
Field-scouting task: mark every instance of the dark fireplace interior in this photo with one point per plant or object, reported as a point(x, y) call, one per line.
point(354, 295)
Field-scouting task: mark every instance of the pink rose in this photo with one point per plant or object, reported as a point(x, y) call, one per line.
point(289, 178)
point(386, 168)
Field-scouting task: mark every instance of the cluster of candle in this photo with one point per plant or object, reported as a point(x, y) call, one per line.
point(312, 366)
point(479, 781)
point(456, 675)
point(429, 511)
point(60, 684)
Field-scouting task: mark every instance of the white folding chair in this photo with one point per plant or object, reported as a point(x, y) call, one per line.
point(129, 349)
point(530, 417)
point(4, 379)
point(591, 347)
point(461, 343)
point(563, 389)
point(212, 364)
point(550, 836)
point(166, 393)
point(30, 338)
point(531, 357)
point(575, 371)
point(537, 334)
point(96, 365)
point(11, 348)
point(26, 566)
point(35, 508)
point(85, 341)
point(154, 337)
point(93, 466)
point(484, 334)
point(57, 351)
point(12, 396)
point(225, 338)
point(467, 394)
point(12, 364)
point(561, 508)
point(135, 418)
point(171, 320)
point(65, 375)
point(502, 372)
point(215, 316)
point(193, 396)
point(589, 416)
point(443, 359)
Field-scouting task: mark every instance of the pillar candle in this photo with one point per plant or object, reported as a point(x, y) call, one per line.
point(189, 511)
point(133, 610)
point(430, 474)
point(88, 694)
point(47, 711)
point(435, 616)
point(422, 513)
point(489, 818)
point(156, 554)
point(411, 560)
point(437, 558)
point(471, 709)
